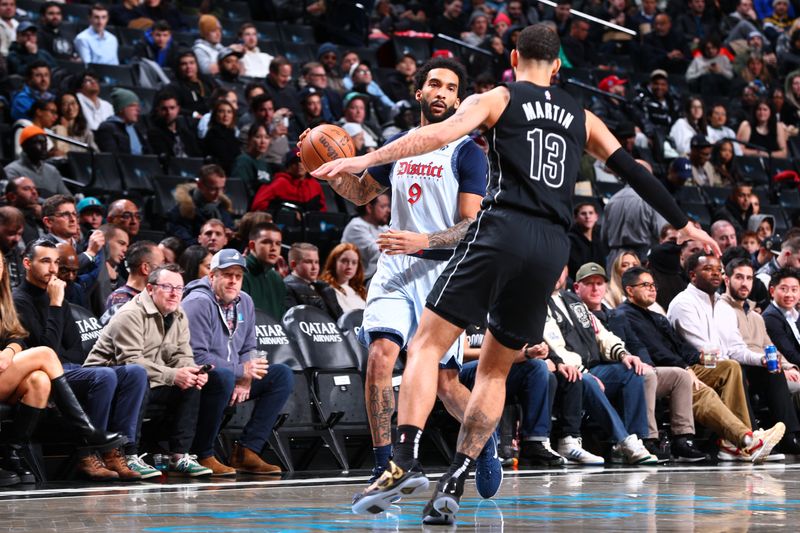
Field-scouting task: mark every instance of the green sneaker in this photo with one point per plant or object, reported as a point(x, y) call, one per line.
point(136, 464)
point(188, 466)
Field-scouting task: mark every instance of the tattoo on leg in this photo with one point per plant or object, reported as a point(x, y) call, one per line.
point(475, 431)
point(381, 409)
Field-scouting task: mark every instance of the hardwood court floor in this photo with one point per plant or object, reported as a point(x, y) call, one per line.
point(735, 498)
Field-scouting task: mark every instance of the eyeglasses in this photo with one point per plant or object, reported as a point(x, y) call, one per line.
point(166, 287)
point(127, 215)
point(65, 214)
point(646, 285)
point(323, 75)
point(362, 71)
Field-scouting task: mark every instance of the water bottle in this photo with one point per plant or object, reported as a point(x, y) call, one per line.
point(771, 355)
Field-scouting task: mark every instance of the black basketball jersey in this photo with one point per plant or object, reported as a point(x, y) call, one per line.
point(535, 149)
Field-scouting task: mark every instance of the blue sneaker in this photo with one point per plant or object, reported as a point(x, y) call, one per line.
point(488, 469)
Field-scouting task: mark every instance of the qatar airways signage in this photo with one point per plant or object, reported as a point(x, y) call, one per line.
point(321, 331)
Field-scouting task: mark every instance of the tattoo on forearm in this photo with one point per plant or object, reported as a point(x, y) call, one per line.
point(449, 237)
point(475, 431)
point(381, 409)
point(357, 190)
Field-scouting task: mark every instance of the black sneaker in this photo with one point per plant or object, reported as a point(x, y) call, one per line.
point(393, 484)
point(654, 447)
point(442, 508)
point(684, 451)
point(539, 452)
point(789, 445)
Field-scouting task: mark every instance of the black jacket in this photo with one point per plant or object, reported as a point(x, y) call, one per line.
point(163, 140)
point(617, 323)
point(221, 144)
point(731, 212)
point(318, 294)
point(48, 325)
point(194, 97)
point(781, 333)
point(582, 250)
point(664, 345)
point(112, 137)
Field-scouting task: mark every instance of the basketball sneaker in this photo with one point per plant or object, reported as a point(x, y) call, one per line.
point(488, 469)
point(634, 451)
point(571, 448)
point(393, 484)
point(764, 440)
point(443, 506)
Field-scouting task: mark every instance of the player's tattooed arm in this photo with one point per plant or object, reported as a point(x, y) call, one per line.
point(448, 238)
point(359, 190)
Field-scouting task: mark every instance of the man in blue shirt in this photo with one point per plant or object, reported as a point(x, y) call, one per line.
point(95, 44)
point(37, 87)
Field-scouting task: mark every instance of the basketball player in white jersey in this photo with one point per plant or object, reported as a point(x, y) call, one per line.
point(435, 197)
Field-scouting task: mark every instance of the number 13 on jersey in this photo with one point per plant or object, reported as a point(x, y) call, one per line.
point(547, 157)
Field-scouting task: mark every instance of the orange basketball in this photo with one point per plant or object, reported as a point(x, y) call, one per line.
point(325, 143)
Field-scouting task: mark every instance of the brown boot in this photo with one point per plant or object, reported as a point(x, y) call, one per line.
point(92, 467)
point(246, 460)
point(116, 462)
point(217, 468)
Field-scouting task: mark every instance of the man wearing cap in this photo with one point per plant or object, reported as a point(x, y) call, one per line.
point(228, 70)
point(255, 62)
point(37, 87)
point(122, 133)
point(613, 111)
point(591, 283)
point(680, 171)
point(478, 28)
point(32, 163)
point(26, 50)
point(90, 215)
point(703, 174)
point(207, 47)
point(222, 326)
point(657, 106)
point(95, 44)
point(293, 185)
point(328, 56)
point(779, 21)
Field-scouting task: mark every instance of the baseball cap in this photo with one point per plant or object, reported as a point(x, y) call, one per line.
point(88, 203)
point(308, 91)
point(658, 73)
point(773, 244)
point(227, 52)
point(682, 167)
point(349, 97)
point(227, 257)
point(590, 269)
point(291, 156)
point(26, 25)
point(700, 141)
point(28, 132)
point(443, 53)
point(607, 83)
point(774, 3)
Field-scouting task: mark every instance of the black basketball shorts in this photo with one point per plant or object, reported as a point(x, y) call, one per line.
point(505, 267)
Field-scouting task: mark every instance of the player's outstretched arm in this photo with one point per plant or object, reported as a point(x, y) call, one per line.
point(602, 144)
point(478, 110)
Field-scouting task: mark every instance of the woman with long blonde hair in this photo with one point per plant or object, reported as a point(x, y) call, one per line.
point(27, 377)
point(625, 260)
point(344, 272)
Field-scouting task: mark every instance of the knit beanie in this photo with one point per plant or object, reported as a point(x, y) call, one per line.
point(207, 24)
point(122, 98)
point(28, 132)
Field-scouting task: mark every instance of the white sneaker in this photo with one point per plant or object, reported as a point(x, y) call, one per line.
point(572, 449)
point(635, 452)
point(764, 441)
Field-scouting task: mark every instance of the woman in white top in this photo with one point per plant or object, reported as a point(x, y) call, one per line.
point(345, 273)
point(692, 123)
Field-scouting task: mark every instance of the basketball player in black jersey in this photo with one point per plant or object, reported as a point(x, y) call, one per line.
point(512, 255)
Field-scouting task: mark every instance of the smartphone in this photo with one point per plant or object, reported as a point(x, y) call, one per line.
point(205, 369)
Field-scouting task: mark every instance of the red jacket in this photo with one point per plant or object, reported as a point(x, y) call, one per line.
point(305, 192)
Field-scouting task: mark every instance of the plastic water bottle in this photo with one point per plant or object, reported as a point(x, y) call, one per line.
point(771, 355)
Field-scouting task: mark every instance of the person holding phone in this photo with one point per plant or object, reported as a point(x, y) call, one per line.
point(222, 326)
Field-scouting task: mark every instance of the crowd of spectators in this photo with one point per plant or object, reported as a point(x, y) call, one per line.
point(698, 93)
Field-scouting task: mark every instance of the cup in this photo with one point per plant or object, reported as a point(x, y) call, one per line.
point(710, 356)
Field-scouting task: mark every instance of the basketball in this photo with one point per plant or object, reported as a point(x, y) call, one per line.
point(325, 143)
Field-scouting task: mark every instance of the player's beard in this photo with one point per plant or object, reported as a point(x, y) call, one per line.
point(433, 119)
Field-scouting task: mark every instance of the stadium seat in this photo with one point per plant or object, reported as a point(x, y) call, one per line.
point(297, 34)
point(165, 193)
point(76, 13)
point(138, 171)
point(187, 167)
point(236, 190)
point(420, 49)
point(297, 53)
point(114, 75)
point(337, 389)
point(324, 229)
point(106, 173)
point(88, 327)
point(716, 196)
point(606, 189)
point(751, 168)
point(698, 213)
point(239, 11)
point(130, 36)
point(691, 195)
point(267, 31)
point(350, 324)
point(779, 164)
point(779, 214)
point(789, 198)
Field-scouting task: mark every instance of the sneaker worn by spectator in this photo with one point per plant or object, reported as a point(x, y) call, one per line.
point(758, 445)
point(245, 460)
point(654, 447)
point(136, 463)
point(216, 467)
point(115, 461)
point(633, 451)
point(684, 450)
point(571, 448)
point(539, 452)
point(187, 465)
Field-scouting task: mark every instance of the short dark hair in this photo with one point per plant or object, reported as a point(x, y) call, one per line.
point(693, 260)
point(162, 25)
point(782, 274)
point(632, 275)
point(206, 171)
point(259, 100)
point(44, 242)
point(163, 95)
point(98, 7)
point(39, 63)
point(738, 262)
point(246, 26)
point(447, 63)
point(51, 205)
point(40, 104)
point(256, 230)
point(152, 279)
point(173, 243)
point(538, 42)
point(109, 229)
point(138, 254)
point(47, 5)
point(734, 252)
point(252, 86)
point(579, 205)
point(362, 209)
point(276, 64)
